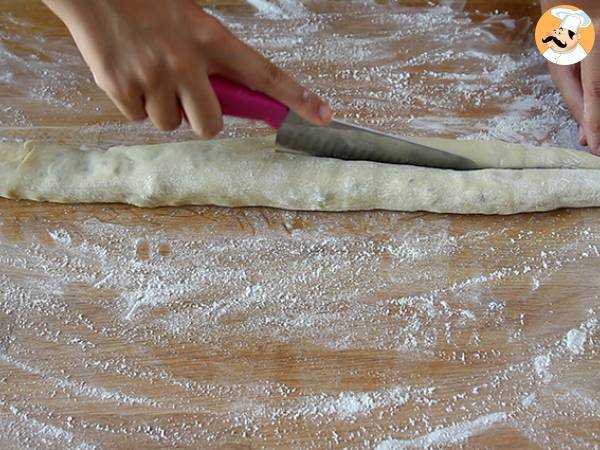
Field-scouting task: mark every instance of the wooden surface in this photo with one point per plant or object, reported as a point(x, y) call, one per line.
point(205, 327)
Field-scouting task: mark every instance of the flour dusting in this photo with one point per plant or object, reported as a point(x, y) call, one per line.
point(575, 341)
point(542, 366)
point(446, 436)
point(205, 327)
point(230, 280)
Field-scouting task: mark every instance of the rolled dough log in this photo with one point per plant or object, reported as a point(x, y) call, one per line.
point(251, 172)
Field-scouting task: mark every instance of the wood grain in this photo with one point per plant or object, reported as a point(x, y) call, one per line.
point(206, 327)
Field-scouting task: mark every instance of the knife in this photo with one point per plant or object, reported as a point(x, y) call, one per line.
point(338, 139)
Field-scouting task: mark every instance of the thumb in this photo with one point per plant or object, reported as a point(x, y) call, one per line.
point(248, 67)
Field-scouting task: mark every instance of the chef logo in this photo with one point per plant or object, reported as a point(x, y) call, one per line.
point(565, 35)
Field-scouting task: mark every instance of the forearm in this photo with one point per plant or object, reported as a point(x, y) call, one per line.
point(66, 8)
point(76, 14)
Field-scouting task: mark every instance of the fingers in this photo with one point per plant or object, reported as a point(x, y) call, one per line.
point(128, 97)
point(194, 100)
point(132, 108)
point(245, 65)
point(163, 109)
point(590, 78)
point(170, 81)
point(568, 81)
point(201, 107)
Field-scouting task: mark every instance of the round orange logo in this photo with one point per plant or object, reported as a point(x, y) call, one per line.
point(565, 35)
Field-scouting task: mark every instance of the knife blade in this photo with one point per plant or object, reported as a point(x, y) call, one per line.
point(351, 142)
point(338, 139)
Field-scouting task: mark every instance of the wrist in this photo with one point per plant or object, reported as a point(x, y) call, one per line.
point(63, 6)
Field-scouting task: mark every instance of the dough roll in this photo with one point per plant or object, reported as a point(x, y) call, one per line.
point(251, 172)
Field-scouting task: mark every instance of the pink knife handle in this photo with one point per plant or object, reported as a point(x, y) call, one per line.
point(239, 101)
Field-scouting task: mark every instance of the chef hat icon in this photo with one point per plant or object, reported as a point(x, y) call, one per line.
point(572, 20)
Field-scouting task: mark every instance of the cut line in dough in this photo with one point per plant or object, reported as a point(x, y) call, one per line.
point(251, 172)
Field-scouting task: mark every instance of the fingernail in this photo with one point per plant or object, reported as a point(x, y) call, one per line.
point(325, 112)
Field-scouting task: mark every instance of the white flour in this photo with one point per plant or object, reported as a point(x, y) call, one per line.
point(346, 406)
point(541, 365)
point(47, 435)
point(168, 292)
point(279, 9)
point(575, 341)
point(320, 297)
point(446, 436)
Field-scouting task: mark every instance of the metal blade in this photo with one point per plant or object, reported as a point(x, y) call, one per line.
point(351, 142)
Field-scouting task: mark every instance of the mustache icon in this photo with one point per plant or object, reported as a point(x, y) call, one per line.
point(556, 41)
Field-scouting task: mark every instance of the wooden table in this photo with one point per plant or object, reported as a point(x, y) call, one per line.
point(205, 327)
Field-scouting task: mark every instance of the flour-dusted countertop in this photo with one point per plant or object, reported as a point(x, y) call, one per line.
point(206, 327)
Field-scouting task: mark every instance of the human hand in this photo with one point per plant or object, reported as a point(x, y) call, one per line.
point(153, 58)
point(579, 84)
